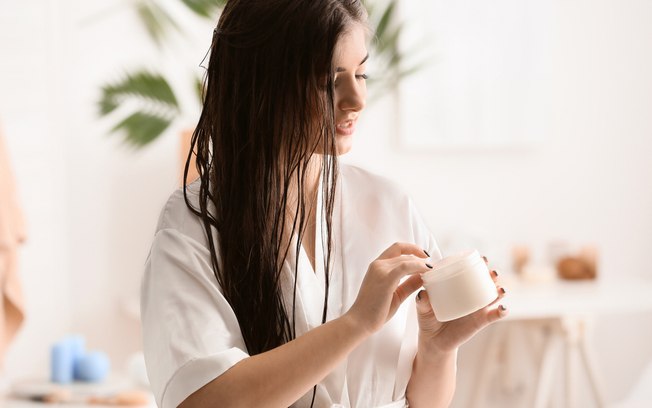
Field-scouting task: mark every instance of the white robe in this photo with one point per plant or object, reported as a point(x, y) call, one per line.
point(191, 335)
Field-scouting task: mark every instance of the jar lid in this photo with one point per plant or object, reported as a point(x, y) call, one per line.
point(452, 265)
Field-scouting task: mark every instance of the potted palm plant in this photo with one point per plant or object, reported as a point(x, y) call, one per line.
point(154, 104)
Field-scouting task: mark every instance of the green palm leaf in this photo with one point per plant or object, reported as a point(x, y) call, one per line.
point(390, 63)
point(205, 8)
point(199, 88)
point(141, 128)
point(156, 104)
point(145, 86)
point(156, 19)
point(386, 17)
point(388, 42)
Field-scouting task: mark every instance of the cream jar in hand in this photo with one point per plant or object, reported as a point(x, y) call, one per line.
point(459, 285)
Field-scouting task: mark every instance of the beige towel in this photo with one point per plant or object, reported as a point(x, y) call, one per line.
point(12, 233)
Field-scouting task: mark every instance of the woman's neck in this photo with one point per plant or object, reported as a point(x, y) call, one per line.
point(311, 184)
point(313, 175)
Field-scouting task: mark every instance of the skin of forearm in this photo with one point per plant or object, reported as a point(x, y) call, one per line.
point(432, 383)
point(279, 377)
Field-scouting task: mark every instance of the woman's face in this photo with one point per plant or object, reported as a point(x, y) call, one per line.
point(350, 85)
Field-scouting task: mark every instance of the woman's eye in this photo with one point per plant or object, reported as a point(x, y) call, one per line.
point(359, 77)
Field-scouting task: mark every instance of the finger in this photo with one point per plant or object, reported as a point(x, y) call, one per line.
point(501, 294)
point(408, 287)
point(403, 248)
point(487, 315)
point(501, 291)
point(424, 308)
point(496, 314)
point(393, 262)
point(399, 260)
point(409, 267)
point(426, 316)
point(494, 275)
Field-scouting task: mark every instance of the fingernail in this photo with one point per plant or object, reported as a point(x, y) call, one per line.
point(429, 266)
point(485, 259)
point(419, 295)
point(502, 290)
point(426, 252)
point(495, 273)
point(502, 308)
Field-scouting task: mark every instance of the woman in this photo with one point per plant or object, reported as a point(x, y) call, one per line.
point(272, 279)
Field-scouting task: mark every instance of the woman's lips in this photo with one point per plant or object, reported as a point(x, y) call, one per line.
point(345, 128)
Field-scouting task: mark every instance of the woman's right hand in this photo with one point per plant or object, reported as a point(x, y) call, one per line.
point(382, 292)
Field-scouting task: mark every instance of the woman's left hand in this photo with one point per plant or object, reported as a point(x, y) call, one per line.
point(439, 336)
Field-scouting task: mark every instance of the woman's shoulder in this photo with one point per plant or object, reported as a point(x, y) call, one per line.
point(176, 215)
point(380, 207)
point(369, 183)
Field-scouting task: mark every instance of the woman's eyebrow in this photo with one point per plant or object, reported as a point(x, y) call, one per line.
point(340, 69)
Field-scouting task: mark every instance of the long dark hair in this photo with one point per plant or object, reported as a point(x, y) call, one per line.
point(268, 107)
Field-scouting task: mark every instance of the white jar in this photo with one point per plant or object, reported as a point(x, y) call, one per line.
point(459, 285)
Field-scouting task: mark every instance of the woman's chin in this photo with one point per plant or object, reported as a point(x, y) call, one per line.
point(343, 144)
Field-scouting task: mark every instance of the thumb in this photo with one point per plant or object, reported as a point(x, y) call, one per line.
point(428, 323)
point(424, 309)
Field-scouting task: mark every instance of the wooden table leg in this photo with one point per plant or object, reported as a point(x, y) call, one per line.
point(547, 368)
point(483, 375)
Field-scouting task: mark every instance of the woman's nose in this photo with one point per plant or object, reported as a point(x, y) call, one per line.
point(352, 96)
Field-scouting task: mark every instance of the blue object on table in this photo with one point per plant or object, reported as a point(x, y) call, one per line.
point(77, 348)
point(92, 367)
point(61, 363)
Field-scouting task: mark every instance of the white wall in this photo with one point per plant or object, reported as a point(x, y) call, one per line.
point(92, 204)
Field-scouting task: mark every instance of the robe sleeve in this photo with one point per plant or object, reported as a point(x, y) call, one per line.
point(190, 333)
point(422, 234)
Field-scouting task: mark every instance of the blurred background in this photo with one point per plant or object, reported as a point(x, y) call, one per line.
point(525, 132)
